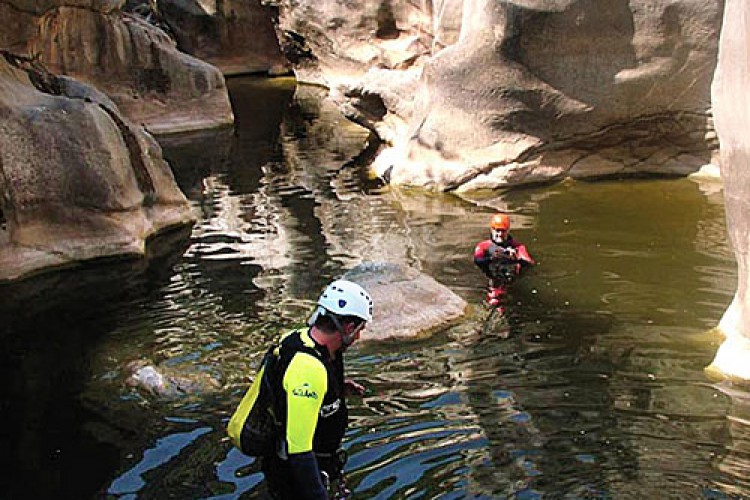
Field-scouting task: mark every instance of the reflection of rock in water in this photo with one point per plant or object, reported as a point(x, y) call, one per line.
point(525, 393)
point(49, 327)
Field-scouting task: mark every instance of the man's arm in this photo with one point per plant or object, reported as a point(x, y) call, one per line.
point(522, 254)
point(482, 256)
point(305, 383)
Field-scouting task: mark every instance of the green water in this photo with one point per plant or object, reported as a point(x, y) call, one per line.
point(591, 386)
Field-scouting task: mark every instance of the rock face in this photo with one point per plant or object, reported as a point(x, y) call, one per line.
point(137, 65)
point(731, 97)
point(133, 62)
point(518, 91)
point(236, 37)
point(408, 304)
point(77, 181)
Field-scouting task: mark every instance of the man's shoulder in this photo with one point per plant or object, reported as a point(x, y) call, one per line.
point(484, 245)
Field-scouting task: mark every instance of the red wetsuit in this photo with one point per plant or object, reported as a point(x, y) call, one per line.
point(500, 268)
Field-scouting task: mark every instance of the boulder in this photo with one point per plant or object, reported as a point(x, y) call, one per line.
point(78, 182)
point(408, 303)
point(168, 382)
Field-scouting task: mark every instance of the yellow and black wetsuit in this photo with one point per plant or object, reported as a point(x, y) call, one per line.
point(308, 389)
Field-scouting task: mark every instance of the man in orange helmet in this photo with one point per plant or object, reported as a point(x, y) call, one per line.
point(500, 258)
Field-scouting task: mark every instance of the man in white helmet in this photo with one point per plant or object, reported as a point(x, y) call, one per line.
point(305, 376)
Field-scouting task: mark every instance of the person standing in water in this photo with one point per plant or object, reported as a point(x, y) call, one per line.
point(501, 258)
point(303, 377)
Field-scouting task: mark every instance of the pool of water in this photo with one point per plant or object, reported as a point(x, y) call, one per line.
point(590, 386)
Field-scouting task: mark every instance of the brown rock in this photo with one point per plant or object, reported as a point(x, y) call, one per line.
point(78, 181)
point(408, 304)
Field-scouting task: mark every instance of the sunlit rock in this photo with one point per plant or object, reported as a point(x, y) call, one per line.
point(488, 93)
point(408, 304)
point(731, 101)
point(77, 181)
point(334, 42)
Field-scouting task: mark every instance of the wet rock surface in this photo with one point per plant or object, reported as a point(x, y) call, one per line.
point(408, 304)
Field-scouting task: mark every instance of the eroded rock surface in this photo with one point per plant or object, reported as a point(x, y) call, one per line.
point(134, 62)
point(77, 181)
point(137, 65)
point(408, 304)
point(486, 94)
point(731, 98)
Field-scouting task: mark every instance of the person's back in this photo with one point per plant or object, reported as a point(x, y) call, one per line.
point(306, 380)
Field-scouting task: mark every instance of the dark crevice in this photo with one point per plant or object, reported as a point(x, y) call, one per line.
point(143, 178)
point(4, 199)
point(387, 28)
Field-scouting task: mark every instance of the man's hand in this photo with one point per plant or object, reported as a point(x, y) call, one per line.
point(505, 253)
point(352, 388)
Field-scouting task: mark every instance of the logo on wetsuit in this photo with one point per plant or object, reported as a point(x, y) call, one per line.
point(304, 391)
point(330, 409)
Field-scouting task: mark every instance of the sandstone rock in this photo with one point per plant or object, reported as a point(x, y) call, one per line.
point(136, 65)
point(408, 304)
point(78, 182)
point(732, 114)
point(335, 42)
point(524, 80)
point(236, 37)
point(166, 382)
point(517, 91)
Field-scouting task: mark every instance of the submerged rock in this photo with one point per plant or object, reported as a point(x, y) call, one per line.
point(168, 382)
point(408, 303)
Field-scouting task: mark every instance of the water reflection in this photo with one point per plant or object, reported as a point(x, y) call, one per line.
point(590, 386)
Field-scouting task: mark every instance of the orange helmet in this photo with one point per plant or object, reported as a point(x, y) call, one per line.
point(500, 221)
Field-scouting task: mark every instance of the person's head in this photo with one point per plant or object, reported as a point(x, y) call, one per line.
point(499, 228)
point(344, 308)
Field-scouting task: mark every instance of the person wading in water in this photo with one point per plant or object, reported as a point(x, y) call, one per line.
point(301, 385)
point(501, 258)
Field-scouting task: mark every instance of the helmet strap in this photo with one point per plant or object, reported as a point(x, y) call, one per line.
point(315, 315)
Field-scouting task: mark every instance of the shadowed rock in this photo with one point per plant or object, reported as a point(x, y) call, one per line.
point(235, 36)
point(408, 304)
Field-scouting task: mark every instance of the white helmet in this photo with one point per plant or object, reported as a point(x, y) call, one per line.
point(345, 298)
